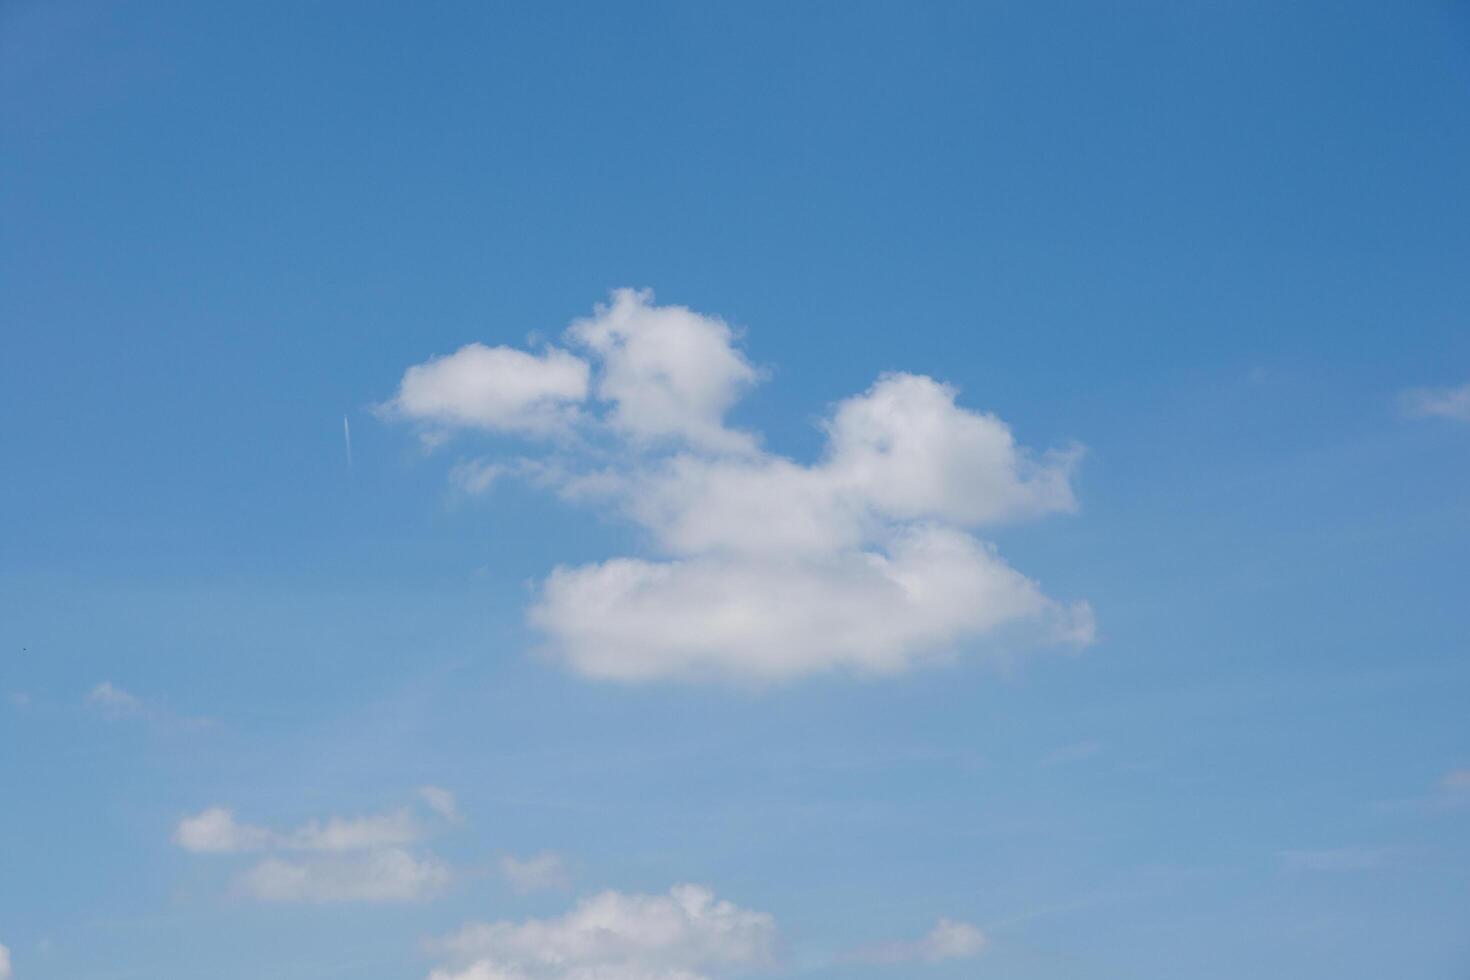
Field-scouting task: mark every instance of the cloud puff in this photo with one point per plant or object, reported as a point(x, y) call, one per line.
point(1445, 403)
point(363, 858)
point(387, 875)
point(948, 940)
point(687, 934)
point(667, 371)
point(113, 702)
point(538, 872)
point(711, 617)
point(4, 962)
point(767, 568)
point(494, 388)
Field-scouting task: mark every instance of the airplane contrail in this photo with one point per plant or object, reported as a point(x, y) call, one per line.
point(347, 438)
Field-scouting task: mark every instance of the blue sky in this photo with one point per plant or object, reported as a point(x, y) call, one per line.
point(942, 490)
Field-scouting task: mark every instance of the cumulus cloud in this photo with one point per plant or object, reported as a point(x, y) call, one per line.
point(386, 875)
point(494, 388)
point(539, 872)
point(113, 702)
point(712, 617)
point(687, 934)
point(948, 940)
point(1445, 403)
point(4, 962)
point(364, 858)
point(667, 371)
point(766, 568)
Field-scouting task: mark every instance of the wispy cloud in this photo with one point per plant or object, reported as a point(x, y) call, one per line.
point(686, 934)
point(948, 940)
point(539, 872)
point(1446, 403)
point(113, 703)
point(367, 858)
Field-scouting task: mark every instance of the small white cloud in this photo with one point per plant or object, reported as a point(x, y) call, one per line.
point(353, 859)
point(441, 801)
point(687, 934)
point(1340, 859)
point(113, 702)
point(1444, 403)
point(494, 388)
point(387, 875)
point(215, 830)
point(539, 872)
point(948, 940)
point(4, 962)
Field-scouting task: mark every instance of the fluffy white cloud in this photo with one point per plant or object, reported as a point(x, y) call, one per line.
point(496, 388)
point(4, 962)
point(666, 370)
point(877, 612)
point(767, 568)
point(535, 873)
point(387, 875)
point(948, 940)
point(215, 830)
point(1446, 403)
point(687, 934)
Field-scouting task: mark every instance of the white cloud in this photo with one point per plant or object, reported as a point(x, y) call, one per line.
point(215, 830)
point(767, 568)
point(667, 371)
point(4, 962)
point(539, 872)
point(948, 940)
point(687, 934)
point(113, 702)
point(1445, 403)
point(387, 875)
point(495, 388)
point(875, 612)
point(441, 801)
point(350, 859)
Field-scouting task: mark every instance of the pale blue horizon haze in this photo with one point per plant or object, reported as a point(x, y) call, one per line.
point(943, 490)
